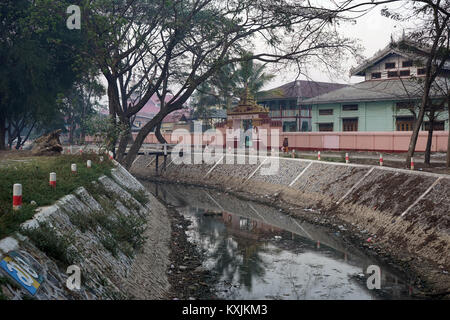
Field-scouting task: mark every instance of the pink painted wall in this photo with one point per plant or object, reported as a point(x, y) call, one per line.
point(395, 141)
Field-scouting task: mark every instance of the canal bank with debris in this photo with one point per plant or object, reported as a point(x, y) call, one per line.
point(113, 230)
point(397, 215)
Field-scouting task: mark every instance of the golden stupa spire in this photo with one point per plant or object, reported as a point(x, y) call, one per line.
point(247, 103)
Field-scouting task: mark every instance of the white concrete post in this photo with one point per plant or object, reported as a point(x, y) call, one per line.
point(52, 179)
point(89, 163)
point(17, 196)
point(74, 168)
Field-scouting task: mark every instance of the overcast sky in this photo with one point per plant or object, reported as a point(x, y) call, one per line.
point(374, 32)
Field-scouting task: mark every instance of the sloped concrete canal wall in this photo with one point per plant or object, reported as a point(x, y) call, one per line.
point(406, 212)
point(110, 269)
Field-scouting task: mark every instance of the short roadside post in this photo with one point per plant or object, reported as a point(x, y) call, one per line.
point(52, 179)
point(17, 196)
point(74, 168)
point(89, 163)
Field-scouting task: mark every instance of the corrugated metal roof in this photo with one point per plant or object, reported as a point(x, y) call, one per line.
point(300, 89)
point(375, 90)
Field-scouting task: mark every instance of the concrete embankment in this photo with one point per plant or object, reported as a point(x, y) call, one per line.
point(406, 213)
point(114, 230)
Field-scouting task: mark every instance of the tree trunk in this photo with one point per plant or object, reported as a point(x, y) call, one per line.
point(71, 131)
point(430, 137)
point(123, 140)
point(158, 134)
point(448, 143)
point(132, 153)
point(2, 132)
point(415, 136)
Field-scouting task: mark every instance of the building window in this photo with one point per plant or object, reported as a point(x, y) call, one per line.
point(325, 112)
point(421, 71)
point(392, 74)
point(350, 107)
point(350, 124)
point(406, 64)
point(376, 75)
point(306, 126)
point(405, 123)
point(405, 105)
point(389, 65)
point(326, 126)
point(404, 73)
point(289, 126)
point(437, 125)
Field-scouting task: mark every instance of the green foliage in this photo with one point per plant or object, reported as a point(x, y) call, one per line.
point(56, 246)
point(105, 130)
point(81, 103)
point(40, 59)
point(33, 174)
point(140, 196)
point(228, 83)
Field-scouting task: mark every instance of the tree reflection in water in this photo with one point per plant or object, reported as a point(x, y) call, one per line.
point(235, 253)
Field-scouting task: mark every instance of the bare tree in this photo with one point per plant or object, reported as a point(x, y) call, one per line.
point(175, 46)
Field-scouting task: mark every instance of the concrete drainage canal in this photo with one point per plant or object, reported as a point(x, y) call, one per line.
point(254, 251)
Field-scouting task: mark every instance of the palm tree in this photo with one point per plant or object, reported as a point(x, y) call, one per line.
point(253, 75)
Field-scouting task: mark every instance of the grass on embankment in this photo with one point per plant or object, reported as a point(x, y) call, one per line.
point(33, 173)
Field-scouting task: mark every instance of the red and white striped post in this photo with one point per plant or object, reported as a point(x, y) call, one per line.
point(318, 155)
point(347, 159)
point(52, 179)
point(17, 196)
point(318, 244)
point(110, 155)
point(381, 160)
point(74, 168)
point(412, 163)
point(89, 163)
point(81, 151)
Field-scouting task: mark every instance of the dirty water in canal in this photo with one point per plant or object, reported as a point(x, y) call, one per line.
point(256, 252)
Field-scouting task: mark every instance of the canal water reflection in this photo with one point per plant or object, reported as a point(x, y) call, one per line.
point(258, 253)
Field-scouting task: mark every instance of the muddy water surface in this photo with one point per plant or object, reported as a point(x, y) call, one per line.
point(256, 252)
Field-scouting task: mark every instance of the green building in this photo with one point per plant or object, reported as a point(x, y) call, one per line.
point(284, 103)
point(387, 100)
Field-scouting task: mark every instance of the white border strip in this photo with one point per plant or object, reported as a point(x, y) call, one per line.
point(256, 211)
point(422, 196)
point(300, 174)
point(136, 159)
point(148, 165)
point(356, 185)
point(306, 232)
point(215, 165)
point(260, 165)
point(218, 204)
